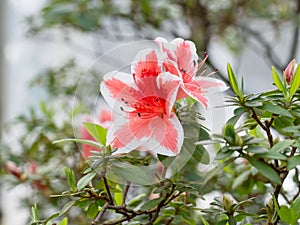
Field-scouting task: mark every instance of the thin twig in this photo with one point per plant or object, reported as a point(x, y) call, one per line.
point(111, 201)
point(125, 193)
point(100, 214)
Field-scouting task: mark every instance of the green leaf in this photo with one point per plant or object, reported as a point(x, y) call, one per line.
point(97, 131)
point(88, 142)
point(282, 145)
point(276, 109)
point(151, 204)
point(240, 179)
point(281, 122)
point(229, 134)
point(296, 207)
point(92, 210)
point(272, 155)
point(118, 196)
point(287, 215)
point(54, 215)
point(136, 201)
point(83, 181)
point(34, 213)
point(66, 207)
point(233, 82)
point(133, 174)
point(295, 82)
point(165, 160)
point(203, 220)
point(201, 155)
point(265, 170)
point(64, 221)
point(293, 162)
point(257, 149)
point(70, 178)
point(277, 79)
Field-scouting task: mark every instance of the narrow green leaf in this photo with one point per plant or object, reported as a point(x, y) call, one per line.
point(34, 213)
point(88, 142)
point(136, 201)
point(276, 109)
point(277, 79)
point(54, 215)
point(293, 162)
point(66, 207)
point(272, 155)
point(98, 132)
point(151, 204)
point(295, 82)
point(233, 81)
point(257, 149)
point(265, 170)
point(85, 180)
point(70, 178)
point(204, 221)
point(282, 145)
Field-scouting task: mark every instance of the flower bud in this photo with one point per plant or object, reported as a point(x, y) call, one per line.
point(290, 70)
point(227, 203)
point(13, 169)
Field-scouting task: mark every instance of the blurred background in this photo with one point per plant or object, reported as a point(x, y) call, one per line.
point(48, 46)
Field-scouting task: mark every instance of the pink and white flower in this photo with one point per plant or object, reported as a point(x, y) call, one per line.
point(181, 59)
point(144, 103)
point(290, 71)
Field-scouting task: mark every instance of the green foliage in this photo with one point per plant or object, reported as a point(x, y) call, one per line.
point(257, 149)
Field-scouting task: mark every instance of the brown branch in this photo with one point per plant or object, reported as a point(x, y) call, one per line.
point(125, 193)
point(100, 214)
point(268, 49)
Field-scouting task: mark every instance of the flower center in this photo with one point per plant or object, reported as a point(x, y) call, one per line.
point(148, 107)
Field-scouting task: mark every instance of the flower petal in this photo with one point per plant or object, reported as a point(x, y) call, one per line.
point(168, 85)
point(211, 85)
point(147, 63)
point(118, 88)
point(167, 48)
point(120, 136)
point(167, 137)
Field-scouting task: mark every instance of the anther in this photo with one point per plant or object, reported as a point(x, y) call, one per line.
point(194, 62)
point(156, 99)
point(121, 108)
point(139, 114)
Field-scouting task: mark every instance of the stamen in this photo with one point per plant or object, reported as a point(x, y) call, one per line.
point(139, 114)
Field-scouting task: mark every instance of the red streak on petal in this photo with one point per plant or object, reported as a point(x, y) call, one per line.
point(148, 67)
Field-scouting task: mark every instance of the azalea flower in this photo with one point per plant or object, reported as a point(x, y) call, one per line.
point(105, 120)
point(181, 59)
point(144, 103)
point(290, 71)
